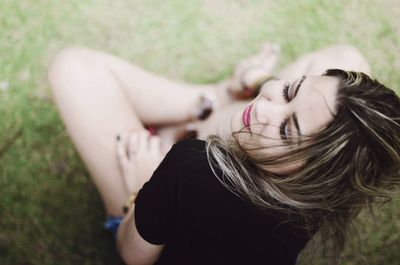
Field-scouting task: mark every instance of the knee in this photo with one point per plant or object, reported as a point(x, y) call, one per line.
point(68, 64)
point(71, 56)
point(64, 59)
point(66, 55)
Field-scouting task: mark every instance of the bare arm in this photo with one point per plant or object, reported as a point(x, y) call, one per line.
point(132, 247)
point(137, 161)
point(249, 71)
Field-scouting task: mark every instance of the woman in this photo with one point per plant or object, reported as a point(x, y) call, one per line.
point(303, 156)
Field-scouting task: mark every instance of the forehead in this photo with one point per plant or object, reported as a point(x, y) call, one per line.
point(316, 102)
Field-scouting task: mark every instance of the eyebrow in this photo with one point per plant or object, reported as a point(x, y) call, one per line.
point(298, 85)
point(294, 116)
point(296, 124)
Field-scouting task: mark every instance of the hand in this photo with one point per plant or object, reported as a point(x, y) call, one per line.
point(249, 71)
point(138, 156)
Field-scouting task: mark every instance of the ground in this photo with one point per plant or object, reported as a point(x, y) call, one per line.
point(50, 211)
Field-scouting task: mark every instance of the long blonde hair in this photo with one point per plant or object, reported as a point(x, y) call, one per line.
point(348, 165)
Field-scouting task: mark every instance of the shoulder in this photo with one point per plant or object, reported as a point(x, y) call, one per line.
point(189, 152)
point(184, 157)
point(189, 146)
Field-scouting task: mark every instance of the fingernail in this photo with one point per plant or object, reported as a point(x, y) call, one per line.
point(118, 137)
point(206, 108)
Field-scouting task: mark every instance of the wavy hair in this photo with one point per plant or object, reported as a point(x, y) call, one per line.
point(349, 164)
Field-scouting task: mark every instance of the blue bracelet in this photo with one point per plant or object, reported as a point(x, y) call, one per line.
point(112, 223)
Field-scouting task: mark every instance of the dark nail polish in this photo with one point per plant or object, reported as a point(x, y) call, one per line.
point(118, 137)
point(206, 108)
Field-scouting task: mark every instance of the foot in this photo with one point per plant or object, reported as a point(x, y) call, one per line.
point(139, 154)
point(249, 71)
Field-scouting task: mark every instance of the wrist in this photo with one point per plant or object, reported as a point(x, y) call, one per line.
point(129, 202)
point(254, 77)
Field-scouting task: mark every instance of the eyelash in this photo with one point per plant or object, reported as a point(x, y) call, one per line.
point(285, 91)
point(282, 129)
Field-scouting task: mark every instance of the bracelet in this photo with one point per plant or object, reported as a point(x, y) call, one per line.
point(129, 202)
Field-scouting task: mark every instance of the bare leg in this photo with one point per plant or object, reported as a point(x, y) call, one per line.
point(100, 96)
point(157, 100)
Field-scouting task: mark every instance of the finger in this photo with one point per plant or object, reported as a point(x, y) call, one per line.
point(155, 144)
point(133, 143)
point(143, 141)
point(121, 154)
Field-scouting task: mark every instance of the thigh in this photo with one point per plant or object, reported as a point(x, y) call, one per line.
point(94, 110)
point(156, 99)
point(100, 96)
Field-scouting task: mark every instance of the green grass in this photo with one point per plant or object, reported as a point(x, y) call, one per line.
point(50, 211)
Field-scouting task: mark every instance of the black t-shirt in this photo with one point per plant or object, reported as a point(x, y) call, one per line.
point(185, 207)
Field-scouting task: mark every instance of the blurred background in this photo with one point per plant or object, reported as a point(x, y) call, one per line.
point(50, 212)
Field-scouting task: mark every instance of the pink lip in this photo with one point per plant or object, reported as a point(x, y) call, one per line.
point(246, 116)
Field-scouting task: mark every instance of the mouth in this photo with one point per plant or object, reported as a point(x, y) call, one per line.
point(246, 117)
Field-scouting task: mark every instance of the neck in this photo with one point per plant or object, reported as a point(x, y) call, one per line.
point(224, 125)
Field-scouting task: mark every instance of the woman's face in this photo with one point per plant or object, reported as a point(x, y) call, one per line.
point(283, 112)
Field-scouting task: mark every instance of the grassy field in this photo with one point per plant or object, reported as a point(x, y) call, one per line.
point(50, 212)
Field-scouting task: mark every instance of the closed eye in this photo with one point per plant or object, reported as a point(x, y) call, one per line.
point(283, 130)
point(286, 91)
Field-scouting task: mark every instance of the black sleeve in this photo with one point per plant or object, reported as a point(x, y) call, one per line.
point(156, 203)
